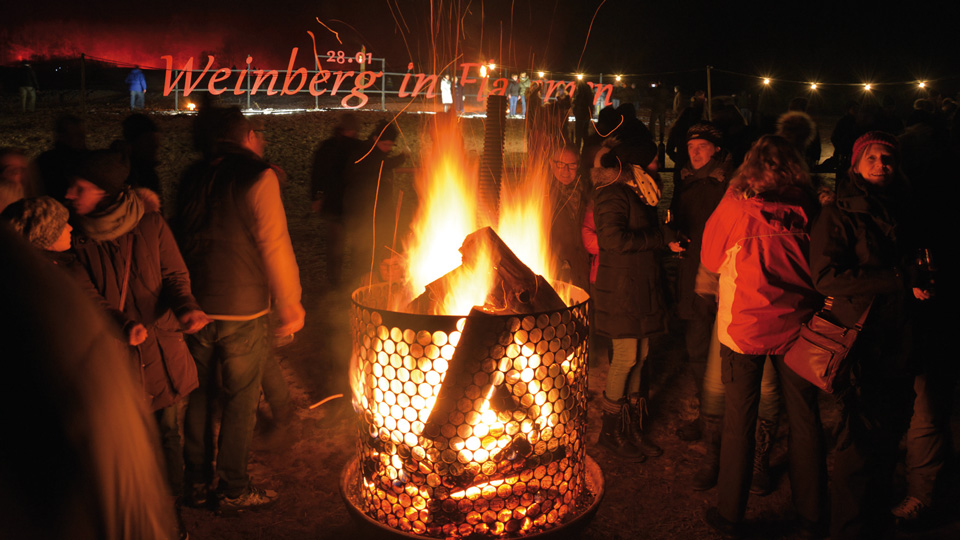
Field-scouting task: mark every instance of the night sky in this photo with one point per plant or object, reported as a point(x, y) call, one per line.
point(827, 41)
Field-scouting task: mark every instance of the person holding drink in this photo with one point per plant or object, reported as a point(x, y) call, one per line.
point(862, 254)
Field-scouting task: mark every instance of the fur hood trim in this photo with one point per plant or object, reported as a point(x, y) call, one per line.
point(602, 176)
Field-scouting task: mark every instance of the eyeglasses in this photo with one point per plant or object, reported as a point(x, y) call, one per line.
point(569, 167)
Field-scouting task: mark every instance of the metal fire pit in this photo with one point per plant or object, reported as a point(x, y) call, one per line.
point(505, 456)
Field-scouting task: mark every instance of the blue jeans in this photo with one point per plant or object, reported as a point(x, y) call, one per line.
point(523, 103)
point(237, 349)
point(513, 104)
point(136, 100)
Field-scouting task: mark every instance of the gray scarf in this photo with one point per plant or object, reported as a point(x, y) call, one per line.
point(113, 221)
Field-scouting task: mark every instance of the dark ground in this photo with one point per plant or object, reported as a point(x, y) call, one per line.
point(652, 500)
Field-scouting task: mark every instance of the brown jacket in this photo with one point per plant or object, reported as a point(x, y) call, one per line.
point(158, 289)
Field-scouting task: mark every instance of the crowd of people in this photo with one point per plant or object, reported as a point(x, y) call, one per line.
point(197, 303)
point(760, 241)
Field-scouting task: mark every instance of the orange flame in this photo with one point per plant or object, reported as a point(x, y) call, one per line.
point(447, 188)
point(448, 191)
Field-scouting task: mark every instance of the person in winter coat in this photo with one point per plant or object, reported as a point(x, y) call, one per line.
point(582, 112)
point(859, 255)
point(53, 170)
point(141, 140)
point(525, 83)
point(702, 184)
point(137, 84)
point(79, 458)
point(629, 303)
point(133, 261)
point(568, 203)
point(28, 88)
point(233, 231)
point(458, 95)
point(697, 191)
point(446, 93)
point(370, 202)
point(331, 161)
point(757, 240)
point(513, 94)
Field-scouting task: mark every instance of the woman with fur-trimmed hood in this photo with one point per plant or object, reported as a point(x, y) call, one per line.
point(627, 294)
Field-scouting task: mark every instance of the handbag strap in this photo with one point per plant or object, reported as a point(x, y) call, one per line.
point(126, 273)
point(828, 306)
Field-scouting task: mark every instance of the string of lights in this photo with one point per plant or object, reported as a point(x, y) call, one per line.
point(767, 81)
point(814, 85)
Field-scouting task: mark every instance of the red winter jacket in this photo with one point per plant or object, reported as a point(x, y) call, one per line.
point(760, 247)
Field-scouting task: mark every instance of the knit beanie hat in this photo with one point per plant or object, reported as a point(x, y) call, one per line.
point(105, 169)
point(705, 131)
point(874, 137)
point(40, 219)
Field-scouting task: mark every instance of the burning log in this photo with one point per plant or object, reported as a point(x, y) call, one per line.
point(480, 331)
point(516, 289)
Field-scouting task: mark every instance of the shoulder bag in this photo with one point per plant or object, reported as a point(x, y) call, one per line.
point(818, 355)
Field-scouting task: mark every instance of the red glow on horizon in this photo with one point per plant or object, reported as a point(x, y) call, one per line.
point(137, 45)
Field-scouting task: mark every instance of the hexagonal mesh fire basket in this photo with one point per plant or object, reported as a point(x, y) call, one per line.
point(471, 425)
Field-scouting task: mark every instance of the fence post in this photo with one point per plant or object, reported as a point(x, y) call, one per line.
point(249, 60)
point(83, 83)
point(316, 99)
point(383, 84)
point(709, 96)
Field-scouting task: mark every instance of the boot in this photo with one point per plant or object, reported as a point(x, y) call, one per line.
point(615, 430)
point(706, 477)
point(638, 411)
point(762, 484)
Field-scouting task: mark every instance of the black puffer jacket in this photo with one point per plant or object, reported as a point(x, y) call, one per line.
point(627, 294)
point(860, 251)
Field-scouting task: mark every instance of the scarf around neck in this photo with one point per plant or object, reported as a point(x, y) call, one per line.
point(113, 221)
